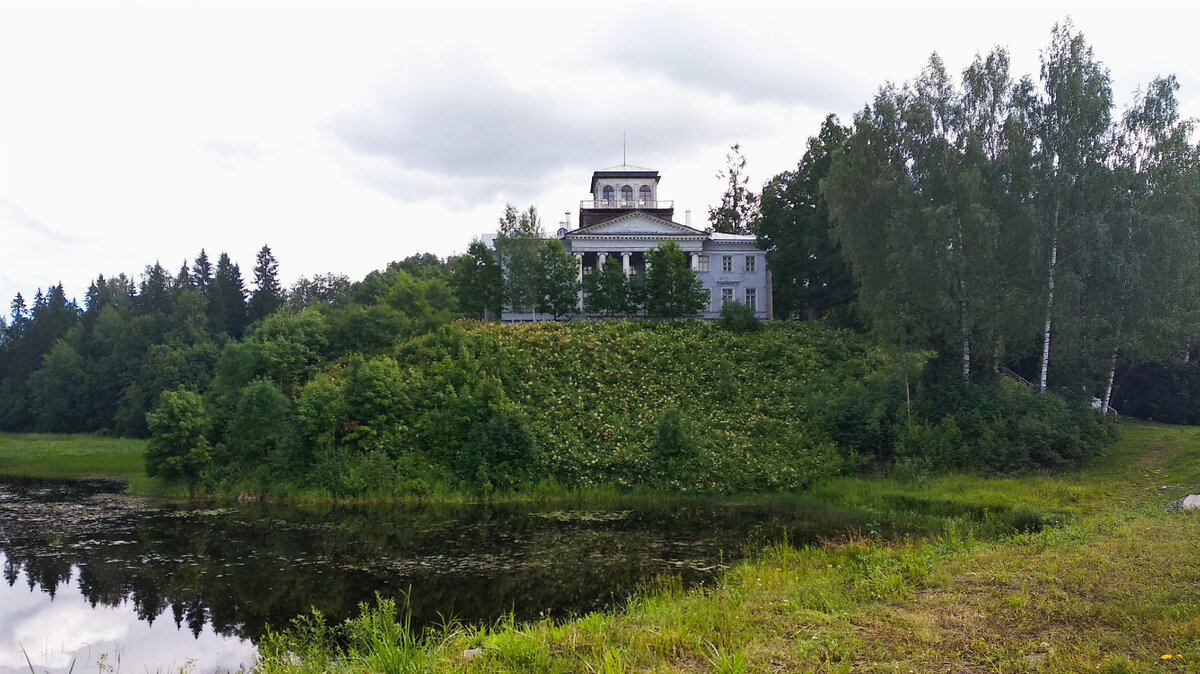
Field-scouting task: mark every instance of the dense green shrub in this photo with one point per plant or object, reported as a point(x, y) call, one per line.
point(499, 452)
point(178, 449)
point(738, 317)
point(687, 405)
point(348, 473)
point(673, 450)
point(375, 402)
point(261, 423)
point(1001, 427)
point(594, 393)
point(320, 411)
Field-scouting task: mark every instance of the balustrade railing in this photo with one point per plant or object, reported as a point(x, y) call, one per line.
point(625, 203)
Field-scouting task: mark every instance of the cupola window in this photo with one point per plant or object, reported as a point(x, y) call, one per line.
point(627, 194)
point(644, 195)
point(608, 194)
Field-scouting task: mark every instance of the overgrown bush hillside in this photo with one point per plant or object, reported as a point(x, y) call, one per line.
point(684, 404)
point(687, 406)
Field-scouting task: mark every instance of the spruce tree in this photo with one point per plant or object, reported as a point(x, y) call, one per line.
point(227, 299)
point(20, 315)
point(202, 271)
point(155, 294)
point(183, 280)
point(268, 296)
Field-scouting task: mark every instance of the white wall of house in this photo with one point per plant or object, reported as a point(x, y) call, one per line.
point(728, 268)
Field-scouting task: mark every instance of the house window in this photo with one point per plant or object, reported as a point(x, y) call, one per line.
point(627, 194)
point(702, 268)
point(727, 264)
point(751, 263)
point(726, 296)
point(644, 195)
point(608, 194)
point(752, 298)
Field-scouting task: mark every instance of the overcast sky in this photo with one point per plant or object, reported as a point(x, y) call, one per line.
point(349, 135)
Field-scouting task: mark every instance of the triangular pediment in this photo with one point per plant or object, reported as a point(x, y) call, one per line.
point(637, 223)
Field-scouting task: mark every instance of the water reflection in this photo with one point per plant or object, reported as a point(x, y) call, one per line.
point(104, 569)
point(72, 633)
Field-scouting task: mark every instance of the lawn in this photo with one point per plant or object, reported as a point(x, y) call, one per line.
point(70, 456)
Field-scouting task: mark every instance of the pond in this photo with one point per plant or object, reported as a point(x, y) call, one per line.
point(91, 573)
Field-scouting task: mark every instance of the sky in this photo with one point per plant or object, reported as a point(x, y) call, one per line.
point(348, 135)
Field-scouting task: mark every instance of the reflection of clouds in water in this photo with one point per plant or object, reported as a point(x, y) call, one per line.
point(55, 633)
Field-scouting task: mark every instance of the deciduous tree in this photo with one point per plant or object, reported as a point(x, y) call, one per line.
point(558, 287)
point(607, 290)
point(517, 247)
point(739, 205)
point(809, 276)
point(672, 289)
point(477, 281)
point(178, 449)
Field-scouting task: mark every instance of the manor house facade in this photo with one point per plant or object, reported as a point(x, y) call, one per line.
point(625, 219)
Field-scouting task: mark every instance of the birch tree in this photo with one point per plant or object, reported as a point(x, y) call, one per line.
point(517, 246)
point(1153, 282)
point(1073, 118)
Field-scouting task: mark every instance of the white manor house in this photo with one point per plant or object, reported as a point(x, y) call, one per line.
point(625, 219)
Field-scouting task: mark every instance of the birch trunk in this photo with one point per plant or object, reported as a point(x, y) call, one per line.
point(962, 303)
point(1112, 373)
point(1049, 304)
point(966, 337)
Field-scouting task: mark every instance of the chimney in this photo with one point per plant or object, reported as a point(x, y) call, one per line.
point(567, 219)
point(687, 217)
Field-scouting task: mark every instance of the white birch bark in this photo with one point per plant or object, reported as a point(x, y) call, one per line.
point(966, 334)
point(1112, 372)
point(1049, 305)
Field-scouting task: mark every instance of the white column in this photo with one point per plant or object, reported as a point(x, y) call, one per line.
point(695, 262)
point(579, 302)
point(600, 260)
point(625, 262)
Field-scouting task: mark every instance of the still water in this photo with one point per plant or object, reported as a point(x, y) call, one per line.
point(92, 573)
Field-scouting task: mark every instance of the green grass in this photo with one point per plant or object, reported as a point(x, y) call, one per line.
point(70, 457)
point(1114, 586)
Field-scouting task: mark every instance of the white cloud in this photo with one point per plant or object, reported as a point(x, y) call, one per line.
point(346, 135)
point(69, 634)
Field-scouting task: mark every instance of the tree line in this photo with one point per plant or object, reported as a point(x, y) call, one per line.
point(1007, 224)
point(101, 366)
point(537, 275)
